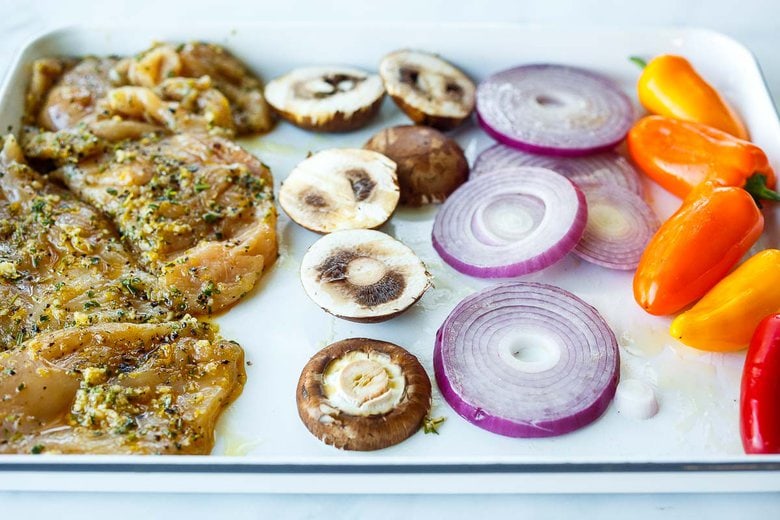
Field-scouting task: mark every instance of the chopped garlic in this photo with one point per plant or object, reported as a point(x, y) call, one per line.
point(8, 270)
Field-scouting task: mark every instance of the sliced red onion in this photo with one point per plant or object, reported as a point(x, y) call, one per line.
point(510, 223)
point(554, 109)
point(526, 360)
point(620, 224)
point(601, 168)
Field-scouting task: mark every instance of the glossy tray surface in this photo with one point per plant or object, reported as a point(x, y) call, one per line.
point(261, 435)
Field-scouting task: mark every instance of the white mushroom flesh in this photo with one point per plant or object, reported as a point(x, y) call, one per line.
point(341, 189)
point(428, 83)
point(363, 383)
point(363, 274)
point(319, 93)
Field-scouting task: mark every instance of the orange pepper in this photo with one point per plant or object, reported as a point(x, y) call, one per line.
point(670, 86)
point(679, 155)
point(726, 317)
point(696, 247)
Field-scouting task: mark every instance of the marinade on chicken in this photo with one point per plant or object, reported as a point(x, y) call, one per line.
point(64, 92)
point(147, 149)
point(92, 97)
point(190, 88)
point(197, 211)
point(61, 262)
point(118, 388)
point(161, 217)
point(153, 68)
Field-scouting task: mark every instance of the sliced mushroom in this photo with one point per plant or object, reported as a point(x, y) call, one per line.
point(430, 90)
point(430, 165)
point(342, 188)
point(363, 394)
point(327, 99)
point(363, 275)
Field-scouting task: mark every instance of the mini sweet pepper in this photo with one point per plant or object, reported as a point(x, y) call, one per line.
point(680, 155)
point(670, 86)
point(760, 394)
point(697, 247)
point(726, 317)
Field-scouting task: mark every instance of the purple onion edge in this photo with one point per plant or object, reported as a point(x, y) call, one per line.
point(536, 263)
point(546, 150)
point(634, 184)
point(511, 428)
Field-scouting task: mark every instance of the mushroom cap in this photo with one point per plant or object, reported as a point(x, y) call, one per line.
point(430, 165)
point(363, 432)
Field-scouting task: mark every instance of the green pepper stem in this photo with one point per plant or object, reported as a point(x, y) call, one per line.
point(640, 62)
point(756, 186)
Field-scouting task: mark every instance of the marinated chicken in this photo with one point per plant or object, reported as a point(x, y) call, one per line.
point(63, 93)
point(94, 96)
point(118, 388)
point(161, 217)
point(244, 91)
point(192, 88)
point(61, 262)
point(145, 145)
point(197, 211)
point(98, 385)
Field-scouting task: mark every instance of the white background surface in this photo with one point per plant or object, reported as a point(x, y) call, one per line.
point(754, 22)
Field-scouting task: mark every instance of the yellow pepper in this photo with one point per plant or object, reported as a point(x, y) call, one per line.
point(669, 86)
point(726, 317)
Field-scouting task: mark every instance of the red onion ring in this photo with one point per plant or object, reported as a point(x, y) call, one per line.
point(620, 224)
point(601, 168)
point(554, 109)
point(510, 223)
point(526, 360)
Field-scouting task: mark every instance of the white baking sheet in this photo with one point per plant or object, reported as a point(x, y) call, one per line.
point(261, 443)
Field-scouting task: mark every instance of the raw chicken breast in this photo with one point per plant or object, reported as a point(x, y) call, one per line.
point(118, 388)
point(197, 211)
point(192, 88)
point(93, 97)
point(61, 262)
point(73, 95)
point(244, 91)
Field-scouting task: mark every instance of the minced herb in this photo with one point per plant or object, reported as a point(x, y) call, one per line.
point(129, 284)
point(431, 424)
point(211, 217)
point(38, 205)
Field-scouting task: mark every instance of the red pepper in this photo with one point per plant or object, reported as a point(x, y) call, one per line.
point(760, 398)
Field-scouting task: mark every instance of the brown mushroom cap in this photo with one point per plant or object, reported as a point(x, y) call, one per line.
point(429, 89)
point(430, 165)
point(363, 432)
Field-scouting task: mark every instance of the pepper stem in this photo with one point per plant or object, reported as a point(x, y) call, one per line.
point(640, 62)
point(756, 186)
